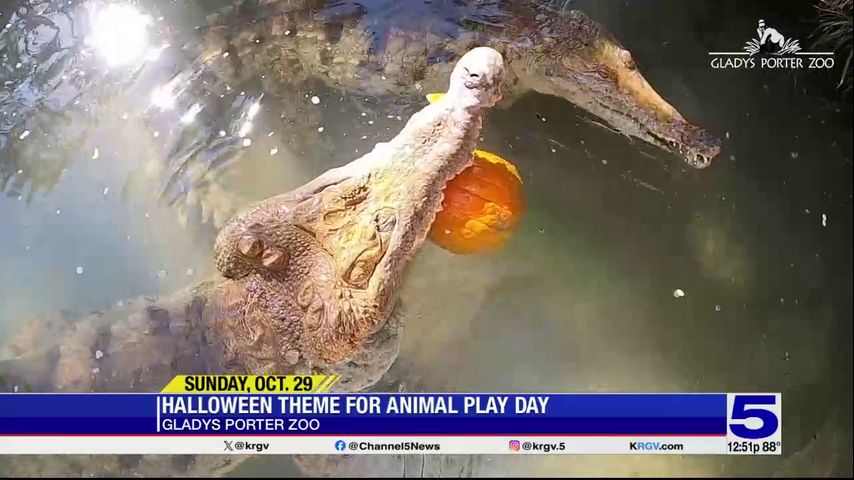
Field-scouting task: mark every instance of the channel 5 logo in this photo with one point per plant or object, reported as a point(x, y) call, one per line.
point(755, 416)
point(515, 445)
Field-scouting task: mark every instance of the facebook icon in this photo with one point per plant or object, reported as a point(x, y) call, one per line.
point(340, 445)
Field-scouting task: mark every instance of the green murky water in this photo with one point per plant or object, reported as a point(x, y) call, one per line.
point(581, 299)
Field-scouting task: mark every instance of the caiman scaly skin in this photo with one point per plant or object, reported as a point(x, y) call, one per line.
point(309, 281)
point(321, 266)
point(561, 53)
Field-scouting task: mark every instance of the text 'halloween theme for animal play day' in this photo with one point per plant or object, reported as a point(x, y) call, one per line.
point(312, 423)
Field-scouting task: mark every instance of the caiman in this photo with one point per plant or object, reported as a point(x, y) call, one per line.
point(408, 51)
point(309, 280)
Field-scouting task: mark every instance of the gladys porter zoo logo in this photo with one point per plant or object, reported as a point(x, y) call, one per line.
point(772, 50)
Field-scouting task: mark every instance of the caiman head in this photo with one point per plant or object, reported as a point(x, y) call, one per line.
point(313, 274)
point(573, 57)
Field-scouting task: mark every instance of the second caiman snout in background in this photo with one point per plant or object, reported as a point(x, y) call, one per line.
point(575, 58)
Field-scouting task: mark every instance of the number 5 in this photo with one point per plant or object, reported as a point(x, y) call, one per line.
point(741, 412)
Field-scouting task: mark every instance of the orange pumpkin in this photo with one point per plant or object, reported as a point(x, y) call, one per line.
point(481, 208)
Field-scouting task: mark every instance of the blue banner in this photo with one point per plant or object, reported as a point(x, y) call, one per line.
point(364, 414)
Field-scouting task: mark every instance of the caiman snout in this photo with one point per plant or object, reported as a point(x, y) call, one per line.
point(581, 62)
point(694, 144)
point(662, 121)
point(477, 78)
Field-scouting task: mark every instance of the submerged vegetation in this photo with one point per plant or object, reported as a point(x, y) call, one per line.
point(834, 31)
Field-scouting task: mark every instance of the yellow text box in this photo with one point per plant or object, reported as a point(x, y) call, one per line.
point(250, 384)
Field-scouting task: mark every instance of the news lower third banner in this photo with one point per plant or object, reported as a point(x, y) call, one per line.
point(290, 421)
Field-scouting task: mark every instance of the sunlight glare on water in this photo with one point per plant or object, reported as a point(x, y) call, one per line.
point(120, 34)
point(163, 97)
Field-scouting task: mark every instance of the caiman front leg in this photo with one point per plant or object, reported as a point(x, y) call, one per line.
point(136, 347)
point(139, 347)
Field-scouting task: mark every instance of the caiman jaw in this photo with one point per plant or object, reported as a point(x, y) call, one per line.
point(690, 142)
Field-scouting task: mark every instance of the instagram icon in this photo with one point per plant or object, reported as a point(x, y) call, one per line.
point(514, 445)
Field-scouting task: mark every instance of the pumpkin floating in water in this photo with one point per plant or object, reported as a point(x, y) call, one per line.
point(482, 205)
